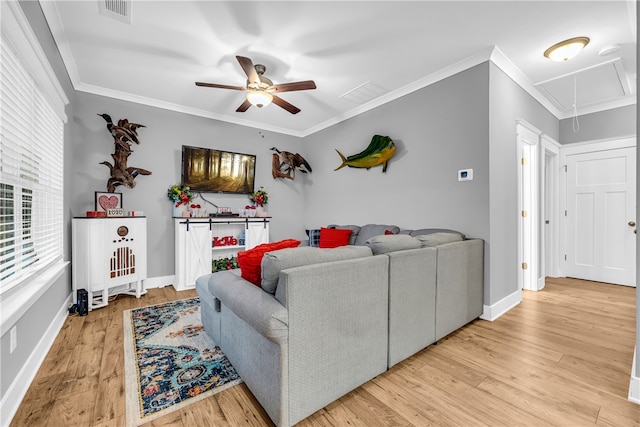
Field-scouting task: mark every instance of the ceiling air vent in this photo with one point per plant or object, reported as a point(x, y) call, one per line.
point(116, 9)
point(364, 93)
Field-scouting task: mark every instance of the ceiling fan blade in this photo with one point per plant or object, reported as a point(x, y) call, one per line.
point(284, 104)
point(290, 87)
point(249, 69)
point(243, 107)
point(220, 86)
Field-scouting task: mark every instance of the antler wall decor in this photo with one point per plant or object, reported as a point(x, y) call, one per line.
point(285, 164)
point(124, 135)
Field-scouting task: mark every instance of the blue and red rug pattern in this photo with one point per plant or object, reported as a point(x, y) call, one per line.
point(176, 362)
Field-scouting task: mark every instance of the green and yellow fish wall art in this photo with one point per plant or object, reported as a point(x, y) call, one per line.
point(379, 151)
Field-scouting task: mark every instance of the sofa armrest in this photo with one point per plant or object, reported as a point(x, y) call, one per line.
point(253, 305)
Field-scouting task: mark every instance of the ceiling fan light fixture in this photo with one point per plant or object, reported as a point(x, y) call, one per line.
point(566, 49)
point(259, 98)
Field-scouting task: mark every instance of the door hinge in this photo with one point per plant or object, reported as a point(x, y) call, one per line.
point(565, 168)
point(565, 257)
point(523, 161)
point(524, 214)
point(565, 212)
point(524, 266)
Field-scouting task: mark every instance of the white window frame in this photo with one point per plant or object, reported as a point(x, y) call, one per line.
point(16, 32)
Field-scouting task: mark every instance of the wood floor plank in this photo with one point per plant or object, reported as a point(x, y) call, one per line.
point(110, 400)
point(206, 412)
point(562, 357)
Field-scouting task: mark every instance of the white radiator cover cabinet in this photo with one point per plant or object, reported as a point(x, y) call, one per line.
point(194, 251)
point(109, 256)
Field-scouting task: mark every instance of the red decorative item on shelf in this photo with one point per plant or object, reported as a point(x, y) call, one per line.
point(96, 214)
point(225, 241)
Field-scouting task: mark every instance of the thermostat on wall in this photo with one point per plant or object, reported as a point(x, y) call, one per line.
point(465, 175)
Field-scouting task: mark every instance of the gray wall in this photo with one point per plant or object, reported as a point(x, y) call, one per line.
point(31, 327)
point(439, 129)
point(508, 103)
point(160, 152)
point(618, 122)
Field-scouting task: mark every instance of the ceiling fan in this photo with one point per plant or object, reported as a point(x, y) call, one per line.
point(261, 90)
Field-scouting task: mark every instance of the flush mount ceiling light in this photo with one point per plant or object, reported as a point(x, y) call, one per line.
point(567, 49)
point(259, 98)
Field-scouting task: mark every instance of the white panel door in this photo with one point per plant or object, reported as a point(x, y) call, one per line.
point(257, 233)
point(601, 204)
point(197, 260)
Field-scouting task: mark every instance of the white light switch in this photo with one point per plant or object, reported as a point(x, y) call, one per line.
point(465, 175)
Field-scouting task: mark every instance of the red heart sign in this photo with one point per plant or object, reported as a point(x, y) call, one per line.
point(108, 202)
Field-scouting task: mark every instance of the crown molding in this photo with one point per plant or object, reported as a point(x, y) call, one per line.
point(152, 102)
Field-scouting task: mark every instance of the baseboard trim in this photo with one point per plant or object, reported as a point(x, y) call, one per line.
point(634, 383)
point(18, 389)
point(158, 282)
point(493, 312)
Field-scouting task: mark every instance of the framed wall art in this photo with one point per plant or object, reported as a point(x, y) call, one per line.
point(105, 201)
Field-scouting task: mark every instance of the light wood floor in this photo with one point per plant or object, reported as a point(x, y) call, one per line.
point(562, 357)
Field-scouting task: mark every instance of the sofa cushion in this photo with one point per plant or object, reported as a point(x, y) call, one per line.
point(371, 230)
point(355, 229)
point(276, 261)
point(250, 261)
point(435, 239)
point(424, 231)
point(392, 242)
point(333, 237)
point(314, 237)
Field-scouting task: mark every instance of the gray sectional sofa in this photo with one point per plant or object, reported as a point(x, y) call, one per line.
point(339, 317)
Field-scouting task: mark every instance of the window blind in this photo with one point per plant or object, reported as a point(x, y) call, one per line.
point(31, 174)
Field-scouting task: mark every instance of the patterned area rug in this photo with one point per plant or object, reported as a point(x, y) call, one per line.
point(170, 361)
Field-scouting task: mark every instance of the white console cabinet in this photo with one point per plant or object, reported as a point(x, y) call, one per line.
point(199, 241)
point(109, 256)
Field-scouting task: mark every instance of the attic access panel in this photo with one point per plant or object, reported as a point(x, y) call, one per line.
point(597, 84)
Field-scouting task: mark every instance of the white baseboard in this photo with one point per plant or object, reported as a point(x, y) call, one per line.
point(158, 282)
point(634, 383)
point(18, 388)
point(493, 312)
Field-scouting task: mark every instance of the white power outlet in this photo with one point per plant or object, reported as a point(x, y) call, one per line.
point(13, 339)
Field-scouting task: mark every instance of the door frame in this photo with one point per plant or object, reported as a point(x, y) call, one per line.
point(582, 148)
point(550, 208)
point(528, 148)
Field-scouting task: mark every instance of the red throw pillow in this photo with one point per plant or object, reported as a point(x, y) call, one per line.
point(334, 237)
point(387, 232)
point(250, 261)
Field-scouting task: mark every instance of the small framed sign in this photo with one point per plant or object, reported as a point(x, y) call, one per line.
point(115, 212)
point(105, 201)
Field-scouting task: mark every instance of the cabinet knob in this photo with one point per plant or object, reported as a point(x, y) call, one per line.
point(632, 223)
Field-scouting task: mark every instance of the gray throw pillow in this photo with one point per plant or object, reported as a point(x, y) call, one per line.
point(435, 239)
point(371, 230)
point(276, 261)
point(422, 231)
point(392, 242)
point(355, 229)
